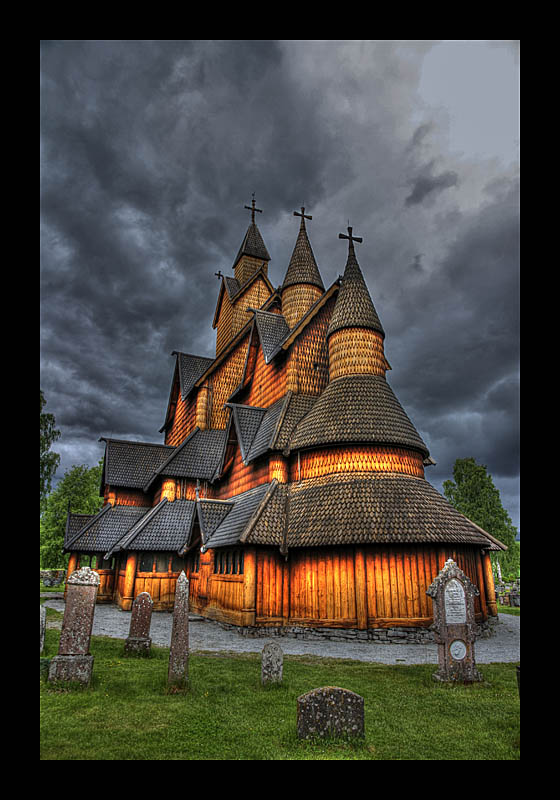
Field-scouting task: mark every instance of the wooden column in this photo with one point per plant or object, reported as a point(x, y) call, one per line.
point(489, 581)
point(249, 586)
point(129, 578)
point(481, 586)
point(361, 588)
point(72, 564)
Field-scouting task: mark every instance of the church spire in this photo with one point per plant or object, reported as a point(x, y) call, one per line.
point(354, 307)
point(302, 284)
point(253, 253)
point(355, 334)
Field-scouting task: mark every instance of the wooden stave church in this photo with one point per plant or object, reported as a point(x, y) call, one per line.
point(290, 483)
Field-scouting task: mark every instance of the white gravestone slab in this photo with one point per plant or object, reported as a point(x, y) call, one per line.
point(454, 603)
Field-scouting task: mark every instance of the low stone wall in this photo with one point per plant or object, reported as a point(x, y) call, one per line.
point(404, 635)
point(52, 577)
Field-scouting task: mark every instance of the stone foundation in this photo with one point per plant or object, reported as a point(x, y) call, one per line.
point(401, 635)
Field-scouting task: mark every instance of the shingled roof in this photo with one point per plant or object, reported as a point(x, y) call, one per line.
point(303, 267)
point(357, 408)
point(197, 457)
point(376, 508)
point(165, 528)
point(252, 245)
point(191, 368)
point(74, 524)
point(105, 529)
point(245, 507)
point(354, 307)
point(131, 463)
point(272, 329)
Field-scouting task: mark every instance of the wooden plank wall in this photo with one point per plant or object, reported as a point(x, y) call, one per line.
point(356, 587)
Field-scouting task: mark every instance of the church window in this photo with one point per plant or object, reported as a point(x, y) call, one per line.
point(228, 562)
point(194, 561)
point(177, 564)
point(162, 562)
point(146, 562)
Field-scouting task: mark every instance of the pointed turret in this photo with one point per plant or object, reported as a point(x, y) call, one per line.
point(354, 307)
point(302, 284)
point(252, 254)
point(355, 334)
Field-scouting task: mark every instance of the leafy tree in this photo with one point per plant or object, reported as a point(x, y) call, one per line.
point(472, 492)
point(49, 461)
point(80, 487)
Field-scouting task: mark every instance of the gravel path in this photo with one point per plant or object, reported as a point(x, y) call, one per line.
point(502, 646)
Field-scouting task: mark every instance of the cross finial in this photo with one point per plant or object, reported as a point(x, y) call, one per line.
point(218, 274)
point(252, 209)
point(303, 215)
point(351, 239)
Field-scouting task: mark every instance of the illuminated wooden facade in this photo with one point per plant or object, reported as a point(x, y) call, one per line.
point(290, 482)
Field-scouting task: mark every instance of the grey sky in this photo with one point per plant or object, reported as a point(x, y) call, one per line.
point(150, 150)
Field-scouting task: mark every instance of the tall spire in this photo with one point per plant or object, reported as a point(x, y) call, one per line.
point(354, 307)
point(252, 253)
point(303, 267)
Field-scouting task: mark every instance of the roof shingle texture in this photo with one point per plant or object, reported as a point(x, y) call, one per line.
point(110, 525)
point(303, 267)
point(197, 457)
point(252, 245)
point(354, 307)
point(374, 508)
point(232, 527)
point(191, 368)
point(357, 408)
point(272, 329)
point(167, 528)
point(131, 463)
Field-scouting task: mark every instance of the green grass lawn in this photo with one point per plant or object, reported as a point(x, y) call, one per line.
point(227, 715)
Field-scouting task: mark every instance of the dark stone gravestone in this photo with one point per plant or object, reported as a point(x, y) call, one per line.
point(454, 624)
point(272, 663)
point(330, 711)
point(178, 671)
point(74, 662)
point(139, 641)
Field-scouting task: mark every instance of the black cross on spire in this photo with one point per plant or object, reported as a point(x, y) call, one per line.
point(252, 209)
point(303, 215)
point(351, 239)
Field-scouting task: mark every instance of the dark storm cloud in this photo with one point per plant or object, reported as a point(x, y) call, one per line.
point(150, 150)
point(426, 183)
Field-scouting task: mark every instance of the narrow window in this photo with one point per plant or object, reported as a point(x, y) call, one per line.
point(162, 562)
point(146, 562)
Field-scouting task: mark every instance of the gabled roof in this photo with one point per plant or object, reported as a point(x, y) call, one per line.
point(190, 369)
point(245, 508)
point(106, 528)
point(230, 284)
point(129, 464)
point(247, 420)
point(211, 513)
point(272, 329)
point(166, 527)
point(197, 457)
point(74, 524)
point(303, 267)
point(357, 408)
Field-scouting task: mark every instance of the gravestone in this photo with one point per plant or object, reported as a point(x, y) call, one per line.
point(43, 626)
point(454, 624)
point(178, 671)
point(74, 663)
point(330, 711)
point(139, 641)
point(272, 663)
